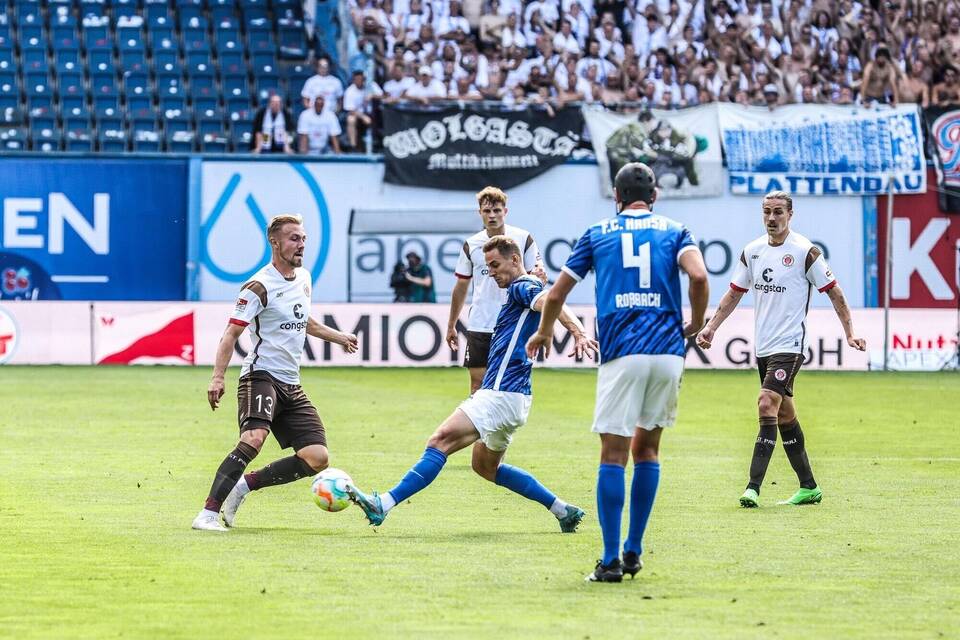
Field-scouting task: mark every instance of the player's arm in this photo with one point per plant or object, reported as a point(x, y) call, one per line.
point(583, 345)
point(839, 301)
point(319, 330)
point(691, 262)
point(457, 299)
point(728, 303)
point(224, 352)
point(550, 311)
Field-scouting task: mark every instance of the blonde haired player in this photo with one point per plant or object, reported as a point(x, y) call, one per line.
point(782, 267)
point(274, 306)
point(487, 296)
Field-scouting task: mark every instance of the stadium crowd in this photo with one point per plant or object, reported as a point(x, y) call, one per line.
point(640, 53)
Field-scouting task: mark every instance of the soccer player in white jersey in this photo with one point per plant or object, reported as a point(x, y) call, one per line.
point(783, 268)
point(487, 296)
point(275, 307)
point(637, 256)
point(488, 419)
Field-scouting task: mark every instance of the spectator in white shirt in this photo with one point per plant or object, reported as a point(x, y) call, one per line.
point(453, 26)
point(648, 35)
point(565, 42)
point(512, 36)
point(322, 84)
point(398, 83)
point(666, 84)
point(464, 89)
point(427, 89)
point(579, 22)
point(318, 129)
point(358, 103)
point(610, 38)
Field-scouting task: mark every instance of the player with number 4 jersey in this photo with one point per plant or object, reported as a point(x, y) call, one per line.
point(637, 257)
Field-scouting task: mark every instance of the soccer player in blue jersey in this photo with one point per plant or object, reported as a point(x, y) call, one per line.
point(637, 257)
point(501, 405)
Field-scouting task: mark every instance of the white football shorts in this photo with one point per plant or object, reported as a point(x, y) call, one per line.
point(637, 391)
point(496, 415)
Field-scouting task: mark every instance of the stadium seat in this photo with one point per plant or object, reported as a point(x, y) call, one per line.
point(79, 141)
point(101, 61)
point(112, 140)
point(43, 123)
point(296, 76)
point(293, 39)
point(267, 85)
point(6, 32)
point(11, 114)
point(204, 96)
point(264, 62)
point(31, 29)
point(34, 58)
point(214, 142)
point(71, 102)
point(211, 120)
point(180, 141)
point(103, 84)
point(134, 60)
point(70, 83)
point(165, 61)
point(261, 40)
point(199, 57)
point(63, 28)
point(124, 8)
point(235, 86)
point(140, 106)
point(239, 108)
point(13, 139)
point(47, 141)
point(136, 83)
point(7, 59)
point(159, 33)
point(146, 141)
point(157, 13)
point(169, 83)
point(173, 105)
point(241, 135)
point(40, 105)
point(93, 12)
point(232, 62)
point(130, 39)
point(67, 59)
point(96, 39)
point(228, 40)
point(37, 83)
point(106, 106)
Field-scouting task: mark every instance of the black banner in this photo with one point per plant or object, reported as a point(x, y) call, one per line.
point(466, 148)
point(943, 136)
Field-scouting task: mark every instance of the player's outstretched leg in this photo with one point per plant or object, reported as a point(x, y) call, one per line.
point(643, 492)
point(793, 445)
point(487, 463)
point(456, 432)
point(762, 452)
point(230, 470)
point(307, 461)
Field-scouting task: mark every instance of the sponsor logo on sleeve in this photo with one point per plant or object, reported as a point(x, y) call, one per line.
point(241, 305)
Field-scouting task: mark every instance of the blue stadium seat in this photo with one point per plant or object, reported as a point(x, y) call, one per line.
point(78, 124)
point(199, 57)
point(172, 106)
point(103, 84)
point(140, 106)
point(261, 40)
point(63, 27)
point(293, 39)
point(97, 39)
point(73, 102)
point(211, 120)
point(177, 120)
point(9, 103)
point(11, 114)
point(40, 105)
point(112, 140)
point(226, 22)
point(67, 59)
point(196, 23)
point(7, 59)
point(76, 110)
point(204, 96)
point(133, 60)
point(159, 33)
point(34, 59)
point(180, 141)
point(47, 142)
point(189, 12)
point(195, 40)
point(6, 31)
point(199, 64)
point(165, 61)
point(106, 106)
point(93, 12)
point(224, 12)
point(214, 142)
point(80, 141)
point(136, 83)
point(13, 139)
point(147, 142)
point(296, 76)
point(202, 79)
point(148, 124)
point(100, 61)
point(130, 39)
point(125, 8)
point(267, 85)
point(156, 10)
point(263, 62)
point(43, 124)
point(235, 86)
point(37, 83)
point(241, 135)
point(257, 22)
point(239, 109)
point(232, 62)
point(71, 84)
point(229, 40)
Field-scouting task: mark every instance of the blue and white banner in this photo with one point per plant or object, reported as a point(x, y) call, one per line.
point(93, 229)
point(823, 150)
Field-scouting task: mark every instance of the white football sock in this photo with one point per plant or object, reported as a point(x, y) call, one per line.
point(387, 502)
point(242, 486)
point(558, 508)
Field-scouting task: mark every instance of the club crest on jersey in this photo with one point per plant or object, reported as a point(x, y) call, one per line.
point(306, 290)
point(780, 375)
point(788, 260)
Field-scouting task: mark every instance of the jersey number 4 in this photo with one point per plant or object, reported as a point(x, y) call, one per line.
point(639, 260)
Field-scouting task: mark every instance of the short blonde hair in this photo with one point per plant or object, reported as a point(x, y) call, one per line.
point(277, 222)
point(505, 245)
point(493, 195)
point(780, 195)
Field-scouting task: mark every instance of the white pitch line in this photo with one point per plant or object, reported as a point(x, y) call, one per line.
point(81, 279)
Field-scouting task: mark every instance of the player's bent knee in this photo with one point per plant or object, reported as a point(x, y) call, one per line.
point(768, 403)
point(484, 470)
point(646, 454)
point(315, 455)
point(254, 437)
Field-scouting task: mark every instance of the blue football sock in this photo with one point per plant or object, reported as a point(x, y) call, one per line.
point(420, 475)
point(519, 481)
point(643, 491)
point(610, 495)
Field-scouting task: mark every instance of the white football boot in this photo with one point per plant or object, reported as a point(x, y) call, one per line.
point(235, 498)
point(208, 521)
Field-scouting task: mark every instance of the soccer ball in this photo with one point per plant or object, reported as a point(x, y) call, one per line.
point(329, 489)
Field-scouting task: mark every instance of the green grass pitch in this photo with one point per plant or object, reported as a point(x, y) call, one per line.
point(103, 469)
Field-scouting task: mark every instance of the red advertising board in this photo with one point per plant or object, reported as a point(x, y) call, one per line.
point(926, 251)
